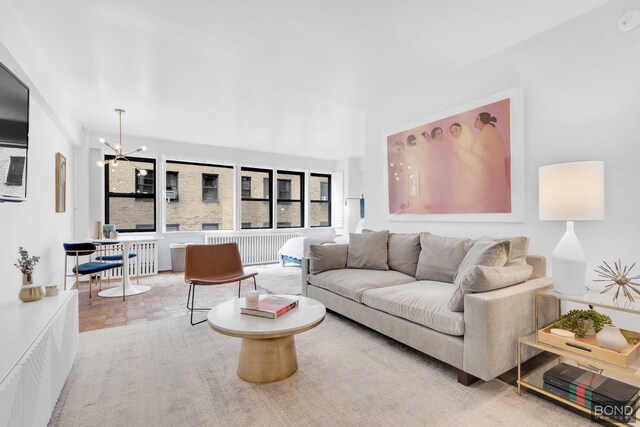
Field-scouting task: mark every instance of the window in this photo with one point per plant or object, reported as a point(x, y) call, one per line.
point(130, 199)
point(256, 209)
point(246, 187)
point(209, 188)
point(173, 227)
point(284, 188)
point(206, 196)
point(145, 184)
point(172, 185)
point(16, 170)
point(266, 187)
point(324, 190)
point(290, 202)
point(320, 199)
point(211, 226)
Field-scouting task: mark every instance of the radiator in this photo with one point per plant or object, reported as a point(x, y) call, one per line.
point(255, 248)
point(145, 263)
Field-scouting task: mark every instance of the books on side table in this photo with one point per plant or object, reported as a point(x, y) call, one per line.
point(271, 307)
point(593, 391)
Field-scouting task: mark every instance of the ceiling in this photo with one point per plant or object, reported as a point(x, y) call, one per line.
point(282, 76)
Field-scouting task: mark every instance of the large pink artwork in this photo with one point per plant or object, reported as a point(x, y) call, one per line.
point(460, 164)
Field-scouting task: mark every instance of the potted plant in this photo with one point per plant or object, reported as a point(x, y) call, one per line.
point(583, 322)
point(26, 265)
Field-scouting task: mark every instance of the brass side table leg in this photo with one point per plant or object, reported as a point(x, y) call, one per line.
point(519, 369)
point(267, 360)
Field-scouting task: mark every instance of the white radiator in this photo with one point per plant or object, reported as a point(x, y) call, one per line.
point(255, 248)
point(145, 263)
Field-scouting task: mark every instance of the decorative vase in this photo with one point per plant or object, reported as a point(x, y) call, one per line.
point(27, 279)
point(31, 293)
point(611, 338)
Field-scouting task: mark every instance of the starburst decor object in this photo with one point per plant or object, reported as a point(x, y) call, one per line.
point(118, 149)
point(618, 276)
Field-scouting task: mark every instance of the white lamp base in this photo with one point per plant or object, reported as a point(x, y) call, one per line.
point(569, 265)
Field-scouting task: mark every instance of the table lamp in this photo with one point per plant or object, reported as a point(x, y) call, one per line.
point(570, 192)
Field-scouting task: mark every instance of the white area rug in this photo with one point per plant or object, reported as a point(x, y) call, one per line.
point(168, 373)
point(275, 279)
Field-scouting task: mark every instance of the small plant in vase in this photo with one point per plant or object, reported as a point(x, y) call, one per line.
point(583, 322)
point(26, 264)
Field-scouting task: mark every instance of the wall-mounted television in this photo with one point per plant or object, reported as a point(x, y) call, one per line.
point(14, 136)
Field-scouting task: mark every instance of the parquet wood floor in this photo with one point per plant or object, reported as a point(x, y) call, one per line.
point(167, 298)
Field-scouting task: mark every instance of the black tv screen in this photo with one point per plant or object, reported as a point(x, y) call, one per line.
point(14, 136)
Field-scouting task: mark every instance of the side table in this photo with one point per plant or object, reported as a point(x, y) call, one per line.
point(534, 380)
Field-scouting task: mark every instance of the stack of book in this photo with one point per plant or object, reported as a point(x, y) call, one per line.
point(271, 307)
point(604, 396)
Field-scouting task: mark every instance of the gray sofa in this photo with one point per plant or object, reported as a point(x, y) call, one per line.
point(481, 341)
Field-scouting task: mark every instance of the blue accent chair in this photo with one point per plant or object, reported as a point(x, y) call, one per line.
point(116, 257)
point(90, 268)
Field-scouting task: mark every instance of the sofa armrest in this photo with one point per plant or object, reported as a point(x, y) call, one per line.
point(495, 320)
point(304, 273)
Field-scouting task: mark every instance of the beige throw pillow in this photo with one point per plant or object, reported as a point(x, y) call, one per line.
point(519, 249)
point(368, 250)
point(327, 257)
point(483, 270)
point(404, 251)
point(440, 257)
point(492, 278)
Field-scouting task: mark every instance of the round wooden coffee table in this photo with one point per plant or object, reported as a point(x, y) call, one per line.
point(268, 352)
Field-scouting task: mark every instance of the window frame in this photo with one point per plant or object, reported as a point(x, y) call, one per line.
point(252, 199)
point(328, 201)
point(301, 200)
point(134, 195)
point(173, 160)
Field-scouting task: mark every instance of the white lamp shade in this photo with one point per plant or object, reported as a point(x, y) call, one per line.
point(571, 191)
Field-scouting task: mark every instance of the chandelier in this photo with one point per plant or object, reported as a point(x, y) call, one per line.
point(117, 148)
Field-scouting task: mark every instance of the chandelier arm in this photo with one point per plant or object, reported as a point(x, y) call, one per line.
point(108, 144)
point(134, 151)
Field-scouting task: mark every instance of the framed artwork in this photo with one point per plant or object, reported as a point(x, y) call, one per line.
point(463, 164)
point(61, 183)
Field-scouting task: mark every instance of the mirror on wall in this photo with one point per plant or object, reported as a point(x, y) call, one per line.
point(14, 136)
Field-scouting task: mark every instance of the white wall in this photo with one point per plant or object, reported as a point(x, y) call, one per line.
point(34, 224)
point(94, 191)
point(582, 102)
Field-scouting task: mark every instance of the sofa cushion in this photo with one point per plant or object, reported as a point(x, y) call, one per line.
point(519, 249)
point(484, 252)
point(350, 283)
point(330, 257)
point(487, 279)
point(404, 251)
point(368, 250)
point(440, 257)
point(423, 302)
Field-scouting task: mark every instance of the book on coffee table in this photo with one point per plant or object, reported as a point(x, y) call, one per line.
point(271, 307)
